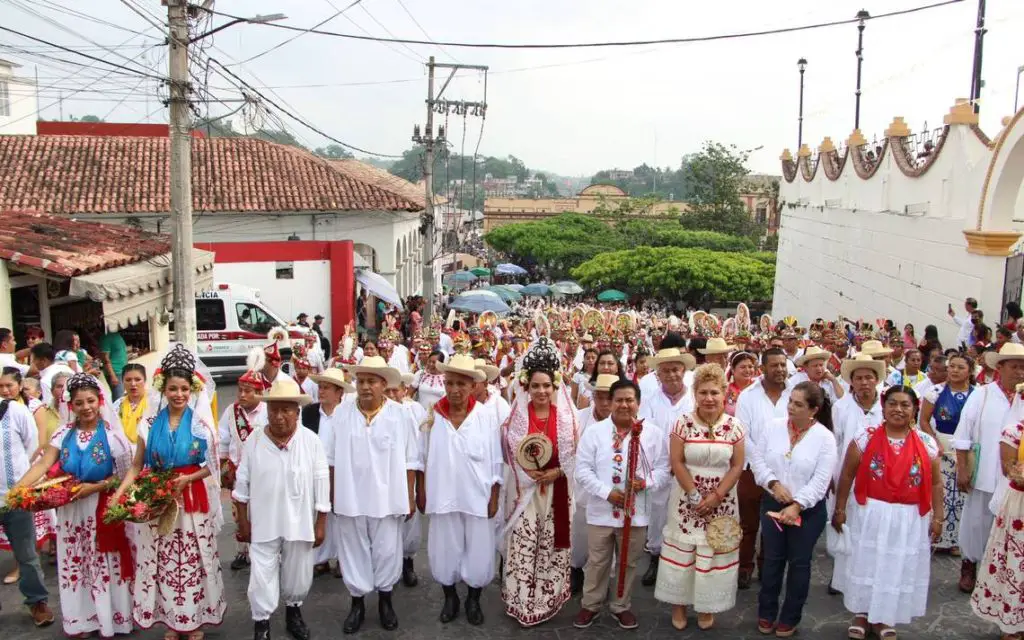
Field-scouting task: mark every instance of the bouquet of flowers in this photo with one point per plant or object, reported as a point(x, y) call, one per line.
point(150, 497)
point(55, 490)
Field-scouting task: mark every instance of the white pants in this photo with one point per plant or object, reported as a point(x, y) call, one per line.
point(370, 553)
point(280, 570)
point(412, 535)
point(656, 520)
point(329, 549)
point(975, 525)
point(579, 542)
point(461, 548)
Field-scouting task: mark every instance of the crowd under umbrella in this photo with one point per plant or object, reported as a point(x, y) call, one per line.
point(611, 295)
point(478, 301)
point(509, 269)
point(567, 287)
point(505, 293)
point(535, 289)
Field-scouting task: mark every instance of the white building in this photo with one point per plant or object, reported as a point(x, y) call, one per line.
point(19, 104)
point(903, 230)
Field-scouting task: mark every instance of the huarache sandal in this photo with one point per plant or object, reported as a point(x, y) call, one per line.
point(885, 633)
point(858, 629)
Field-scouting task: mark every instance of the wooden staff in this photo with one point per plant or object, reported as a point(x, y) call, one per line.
point(628, 501)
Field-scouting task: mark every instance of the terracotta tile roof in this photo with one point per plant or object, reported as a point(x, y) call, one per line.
point(67, 247)
point(385, 180)
point(88, 174)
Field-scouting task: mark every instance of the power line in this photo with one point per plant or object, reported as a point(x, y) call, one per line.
point(79, 53)
point(84, 16)
point(594, 45)
point(422, 30)
point(299, 35)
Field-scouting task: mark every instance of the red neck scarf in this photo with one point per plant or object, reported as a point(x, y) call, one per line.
point(898, 478)
point(443, 407)
point(560, 502)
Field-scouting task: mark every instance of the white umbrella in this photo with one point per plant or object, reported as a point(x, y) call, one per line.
point(379, 286)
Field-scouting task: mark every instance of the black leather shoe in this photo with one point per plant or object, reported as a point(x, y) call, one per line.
point(450, 609)
point(409, 577)
point(474, 614)
point(576, 580)
point(651, 576)
point(356, 615)
point(388, 618)
point(241, 561)
point(262, 630)
point(294, 623)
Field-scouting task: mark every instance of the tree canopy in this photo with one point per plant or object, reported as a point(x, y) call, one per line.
point(698, 276)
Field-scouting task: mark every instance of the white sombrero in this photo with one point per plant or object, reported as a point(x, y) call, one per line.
point(673, 355)
point(716, 346)
point(813, 353)
point(875, 349)
point(1009, 351)
point(376, 365)
point(334, 376)
point(862, 361)
point(464, 366)
point(492, 371)
point(604, 382)
point(286, 391)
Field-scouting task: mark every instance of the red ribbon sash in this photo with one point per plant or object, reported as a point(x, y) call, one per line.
point(560, 500)
point(194, 495)
point(112, 538)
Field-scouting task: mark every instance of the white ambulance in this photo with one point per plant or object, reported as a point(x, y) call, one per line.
point(231, 320)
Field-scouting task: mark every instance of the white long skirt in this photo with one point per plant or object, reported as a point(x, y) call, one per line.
point(93, 596)
point(887, 573)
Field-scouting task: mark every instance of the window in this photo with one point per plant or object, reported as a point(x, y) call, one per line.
point(5, 99)
point(285, 271)
point(762, 214)
point(253, 318)
point(210, 315)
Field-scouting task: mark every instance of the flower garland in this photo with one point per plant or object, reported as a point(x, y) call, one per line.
point(159, 380)
point(524, 378)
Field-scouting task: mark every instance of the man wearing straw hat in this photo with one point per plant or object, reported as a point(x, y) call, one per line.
point(813, 366)
point(487, 393)
point(661, 410)
point(412, 529)
point(464, 472)
point(599, 410)
point(320, 418)
point(985, 414)
point(282, 491)
point(717, 350)
point(373, 453)
point(237, 423)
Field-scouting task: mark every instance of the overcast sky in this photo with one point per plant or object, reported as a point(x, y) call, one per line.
point(571, 111)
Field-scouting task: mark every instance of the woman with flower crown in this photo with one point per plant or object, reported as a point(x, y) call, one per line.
point(178, 580)
point(538, 500)
point(96, 568)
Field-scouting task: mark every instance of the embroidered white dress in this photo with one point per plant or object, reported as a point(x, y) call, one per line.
point(691, 572)
point(429, 388)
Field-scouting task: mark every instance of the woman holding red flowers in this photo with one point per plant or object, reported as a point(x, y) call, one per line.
point(95, 569)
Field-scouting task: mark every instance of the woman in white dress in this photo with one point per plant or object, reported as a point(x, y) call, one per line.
point(178, 581)
point(706, 454)
point(893, 472)
point(96, 568)
point(429, 382)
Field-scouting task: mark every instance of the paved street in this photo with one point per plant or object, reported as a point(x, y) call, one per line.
point(949, 615)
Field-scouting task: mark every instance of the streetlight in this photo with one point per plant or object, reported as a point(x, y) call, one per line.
point(1016, 91)
point(862, 15)
point(801, 64)
point(273, 17)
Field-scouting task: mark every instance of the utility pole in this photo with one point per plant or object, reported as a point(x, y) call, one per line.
point(862, 15)
point(435, 103)
point(979, 41)
point(184, 285)
point(802, 65)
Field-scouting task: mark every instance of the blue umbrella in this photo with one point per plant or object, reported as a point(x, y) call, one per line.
point(514, 287)
point(509, 269)
point(535, 289)
point(478, 301)
point(463, 277)
point(506, 294)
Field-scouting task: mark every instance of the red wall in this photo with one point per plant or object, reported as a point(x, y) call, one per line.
point(106, 129)
point(338, 253)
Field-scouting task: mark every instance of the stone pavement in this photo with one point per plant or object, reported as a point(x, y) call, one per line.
point(949, 615)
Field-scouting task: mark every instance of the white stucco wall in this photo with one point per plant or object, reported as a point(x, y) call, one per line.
point(309, 291)
point(21, 103)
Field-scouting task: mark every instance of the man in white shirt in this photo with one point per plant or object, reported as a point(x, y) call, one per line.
point(43, 357)
point(814, 367)
point(7, 349)
point(374, 455)
point(19, 439)
point(464, 472)
point(662, 409)
point(936, 375)
point(282, 492)
point(964, 337)
point(239, 420)
point(758, 405)
point(320, 418)
point(604, 475)
point(600, 409)
point(412, 529)
point(985, 414)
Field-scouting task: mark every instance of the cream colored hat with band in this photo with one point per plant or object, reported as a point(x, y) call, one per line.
point(604, 382)
point(716, 346)
point(874, 348)
point(490, 370)
point(673, 355)
point(862, 361)
point(1009, 351)
point(377, 366)
point(286, 391)
point(464, 366)
point(813, 353)
point(333, 376)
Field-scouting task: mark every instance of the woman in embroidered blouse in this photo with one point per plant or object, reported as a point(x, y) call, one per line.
point(607, 363)
point(538, 503)
point(794, 462)
point(131, 408)
point(706, 454)
point(893, 471)
point(742, 370)
point(96, 568)
point(429, 382)
point(943, 404)
point(581, 379)
point(178, 581)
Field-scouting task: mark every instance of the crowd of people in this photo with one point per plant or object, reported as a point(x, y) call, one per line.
point(550, 451)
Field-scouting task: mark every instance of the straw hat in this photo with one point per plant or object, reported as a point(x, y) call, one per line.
point(464, 366)
point(716, 346)
point(377, 366)
point(333, 376)
point(813, 353)
point(286, 391)
point(673, 355)
point(875, 349)
point(492, 371)
point(604, 382)
point(407, 378)
point(1009, 351)
point(862, 361)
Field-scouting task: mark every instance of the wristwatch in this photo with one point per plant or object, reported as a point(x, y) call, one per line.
point(694, 497)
